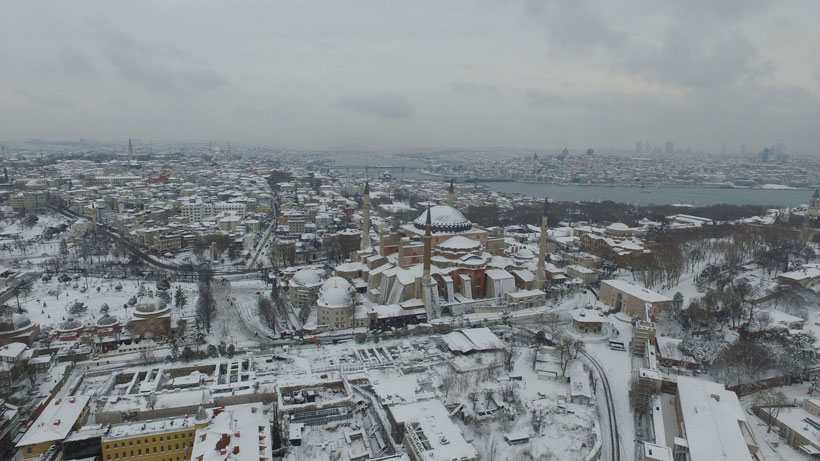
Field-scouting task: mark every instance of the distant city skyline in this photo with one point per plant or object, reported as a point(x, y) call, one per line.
point(398, 76)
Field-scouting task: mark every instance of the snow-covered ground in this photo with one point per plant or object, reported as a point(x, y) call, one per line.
point(48, 302)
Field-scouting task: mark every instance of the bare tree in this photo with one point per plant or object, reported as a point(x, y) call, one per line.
point(773, 401)
point(567, 349)
point(267, 311)
point(206, 306)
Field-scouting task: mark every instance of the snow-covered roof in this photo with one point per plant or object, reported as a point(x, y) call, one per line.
point(524, 253)
point(12, 350)
point(460, 243)
point(234, 433)
point(525, 293)
point(643, 294)
point(154, 426)
point(335, 282)
point(56, 420)
point(804, 273)
point(14, 322)
point(618, 226)
point(335, 296)
point(443, 218)
point(306, 277)
point(445, 440)
point(710, 417)
point(579, 382)
point(524, 275)
point(473, 339)
point(585, 315)
point(498, 274)
point(668, 349)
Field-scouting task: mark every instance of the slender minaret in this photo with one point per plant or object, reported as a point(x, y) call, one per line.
point(540, 275)
point(814, 205)
point(451, 195)
point(428, 247)
point(366, 218)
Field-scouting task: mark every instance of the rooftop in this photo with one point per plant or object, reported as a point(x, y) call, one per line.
point(643, 294)
point(56, 420)
point(711, 416)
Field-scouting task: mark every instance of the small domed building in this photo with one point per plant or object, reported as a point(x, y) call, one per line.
point(16, 328)
point(151, 320)
point(336, 303)
point(303, 287)
point(69, 330)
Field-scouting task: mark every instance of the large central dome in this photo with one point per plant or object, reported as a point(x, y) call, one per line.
point(443, 219)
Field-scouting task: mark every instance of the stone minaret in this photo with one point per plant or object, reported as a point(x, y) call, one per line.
point(814, 204)
point(540, 275)
point(451, 195)
point(428, 247)
point(366, 218)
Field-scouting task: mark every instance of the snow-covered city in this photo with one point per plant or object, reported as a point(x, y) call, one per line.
point(341, 315)
point(470, 230)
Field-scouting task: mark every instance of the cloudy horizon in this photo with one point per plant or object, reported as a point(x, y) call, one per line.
point(403, 75)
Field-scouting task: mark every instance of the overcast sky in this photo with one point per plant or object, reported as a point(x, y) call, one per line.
point(406, 74)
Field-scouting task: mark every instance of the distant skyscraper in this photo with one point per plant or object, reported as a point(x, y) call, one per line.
point(779, 151)
point(765, 154)
point(590, 152)
point(723, 149)
point(639, 148)
point(742, 149)
point(670, 148)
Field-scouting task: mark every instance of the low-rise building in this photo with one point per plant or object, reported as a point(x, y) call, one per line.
point(239, 432)
point(155, 440)
point(799, 426)
point(712, 422)
point(633, 300)
point(427, 432)
point(56, 420)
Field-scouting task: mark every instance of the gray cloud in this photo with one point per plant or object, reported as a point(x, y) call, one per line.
point(473, 88)
point(53, 101)
point(384, 105)
point(463, 73)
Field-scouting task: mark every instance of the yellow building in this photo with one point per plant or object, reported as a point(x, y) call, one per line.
point(166, 439)
point(56, 420)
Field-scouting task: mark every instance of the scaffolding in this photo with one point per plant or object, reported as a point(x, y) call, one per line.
point(643, 334)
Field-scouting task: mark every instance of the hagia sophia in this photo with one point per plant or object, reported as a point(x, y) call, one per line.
point(440, 264)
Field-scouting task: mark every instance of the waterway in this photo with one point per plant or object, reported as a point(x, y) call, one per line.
point(695, 196)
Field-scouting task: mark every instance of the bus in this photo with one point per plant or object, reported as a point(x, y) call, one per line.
point(616, 345)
